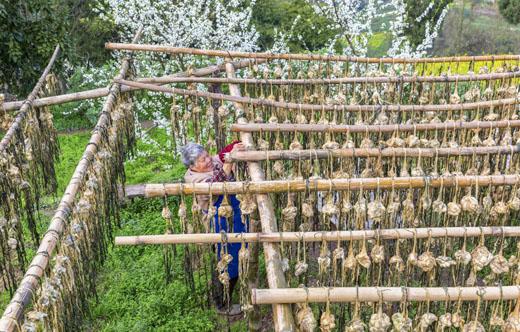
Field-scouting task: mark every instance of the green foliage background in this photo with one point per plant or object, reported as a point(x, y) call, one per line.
point(270, 16)
point(510, 9)
point(31, 29)
point(414, 8)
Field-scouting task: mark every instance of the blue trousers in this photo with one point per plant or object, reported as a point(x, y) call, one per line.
point(237, 226)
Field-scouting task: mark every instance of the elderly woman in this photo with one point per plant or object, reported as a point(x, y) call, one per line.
point(205, 168)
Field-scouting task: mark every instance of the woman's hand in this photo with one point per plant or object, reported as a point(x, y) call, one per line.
point(228, 168)
point(238, 147)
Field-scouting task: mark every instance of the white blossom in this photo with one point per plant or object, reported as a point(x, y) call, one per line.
point(355, 18)
point(204, 24)
point(226, 25)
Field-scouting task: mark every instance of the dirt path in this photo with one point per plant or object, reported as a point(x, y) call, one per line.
point(486, 11)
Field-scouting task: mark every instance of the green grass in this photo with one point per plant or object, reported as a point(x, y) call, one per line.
point(69, 117)
point(379, 44)
point(4, 299)
point(72, 147)
point(133, 294)
point(159, 166)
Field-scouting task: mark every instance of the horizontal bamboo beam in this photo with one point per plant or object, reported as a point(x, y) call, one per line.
point(386, 294)
point(313, 107)
point(22, 298)
point(28, 103)
point(330, 128)
point(346, 80)
point(363, 153)
point(331, 236)
point(103, 92)
point(304, 57)
point(284, 186)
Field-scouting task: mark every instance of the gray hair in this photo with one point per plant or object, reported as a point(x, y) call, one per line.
point(190, 152)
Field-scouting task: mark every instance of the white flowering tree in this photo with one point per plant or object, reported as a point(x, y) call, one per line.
point(226, 25)
point(214, 24)
point(206, 24)
point(354, 20)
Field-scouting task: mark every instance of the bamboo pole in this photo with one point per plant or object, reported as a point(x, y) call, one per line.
point(102, 92)
point(282, 314)
point(28, 103)
point(254, 320)
point(347, 80)
point(304, 57)
point(14, 311)
point(330, 236)
point(330, 128)
point(257, 186)
point(386, 294)
point(372, 152)
point(314, 107)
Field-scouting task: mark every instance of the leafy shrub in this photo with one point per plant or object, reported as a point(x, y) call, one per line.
point(510, 9)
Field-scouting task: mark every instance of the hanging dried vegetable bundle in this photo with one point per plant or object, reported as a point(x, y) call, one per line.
point(244, 258)
point(168, 251)
point(305, 318)
point(327, 319)
point(62, 299)
point(28, 152)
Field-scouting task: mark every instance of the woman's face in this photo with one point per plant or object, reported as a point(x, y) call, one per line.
point(203, 163)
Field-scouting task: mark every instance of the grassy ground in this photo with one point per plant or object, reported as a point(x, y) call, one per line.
point(132, 292)
point(72, 147)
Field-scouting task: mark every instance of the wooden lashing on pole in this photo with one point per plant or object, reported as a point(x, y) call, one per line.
point(282, 313)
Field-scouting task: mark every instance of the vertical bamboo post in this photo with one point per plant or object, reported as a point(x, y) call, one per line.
point(215, 103)
point(282, 313)
point(254, 322)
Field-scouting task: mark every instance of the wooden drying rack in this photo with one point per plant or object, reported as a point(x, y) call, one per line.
point(269, 236)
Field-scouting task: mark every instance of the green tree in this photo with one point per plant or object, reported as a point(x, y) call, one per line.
point(315, 31)
point(30, 29)
point(510, 9)
point(417, 22)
